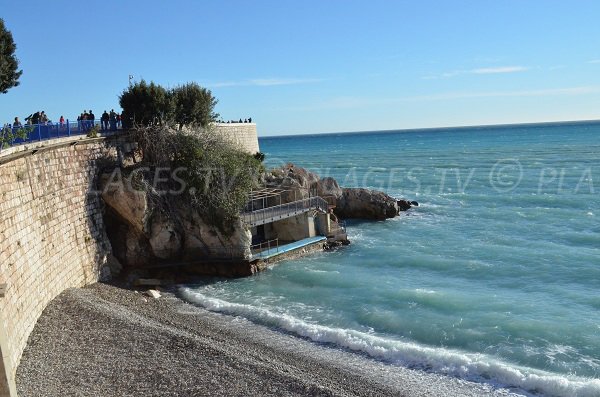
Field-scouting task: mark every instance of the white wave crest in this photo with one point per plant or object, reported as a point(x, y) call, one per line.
point(470, 366)
point(424, 291)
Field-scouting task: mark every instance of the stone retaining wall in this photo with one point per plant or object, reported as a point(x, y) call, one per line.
point(51, 236)
point(52, 233)
point(242, 134)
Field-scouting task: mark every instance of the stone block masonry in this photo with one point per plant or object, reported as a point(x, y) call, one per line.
point(51, 236)
point(243, 135)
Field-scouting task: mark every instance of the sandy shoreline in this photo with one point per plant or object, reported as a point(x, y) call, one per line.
point(107, 341)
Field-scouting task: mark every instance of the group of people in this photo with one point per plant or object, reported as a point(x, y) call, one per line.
point(39, 117)
point(248, 120)
point(110, 121)
point(85, 120)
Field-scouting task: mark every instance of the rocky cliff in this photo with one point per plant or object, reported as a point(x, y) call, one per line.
point(147, 229)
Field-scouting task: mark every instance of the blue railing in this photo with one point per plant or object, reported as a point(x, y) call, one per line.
point(42, 132)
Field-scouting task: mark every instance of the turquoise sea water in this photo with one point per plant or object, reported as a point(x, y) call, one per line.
point(495, 277)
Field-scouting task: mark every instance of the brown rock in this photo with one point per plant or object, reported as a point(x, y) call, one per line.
point(145, 232)
point(366, 204)
point(328, 186)
point(298, 182)
point(164, 238)
point(404, 205)
point(130, 204)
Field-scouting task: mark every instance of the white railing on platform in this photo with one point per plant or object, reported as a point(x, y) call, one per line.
point(266, 247)
point(270, 214)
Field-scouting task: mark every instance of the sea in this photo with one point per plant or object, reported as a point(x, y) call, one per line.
point(493, 278)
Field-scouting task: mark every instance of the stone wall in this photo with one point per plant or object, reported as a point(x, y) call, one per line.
point(242, 134)
point(293, 229)
point(51, 235)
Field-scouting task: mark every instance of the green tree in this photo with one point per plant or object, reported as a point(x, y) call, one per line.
point(193, 105)
point(9, 65)
point(146, 104)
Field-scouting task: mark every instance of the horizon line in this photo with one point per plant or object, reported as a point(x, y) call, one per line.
point(469, 126)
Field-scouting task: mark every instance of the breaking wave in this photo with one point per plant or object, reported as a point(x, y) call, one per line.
point(469, 366)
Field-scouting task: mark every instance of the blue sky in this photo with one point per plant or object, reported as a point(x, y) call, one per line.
point(316, 66)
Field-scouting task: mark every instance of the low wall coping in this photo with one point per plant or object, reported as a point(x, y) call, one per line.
point(18, 151)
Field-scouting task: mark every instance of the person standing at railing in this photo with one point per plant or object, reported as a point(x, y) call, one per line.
point(104, 119)
point(112, 117)
point(35, 118)
point(83, 123)
point(91, 119)
point(17, 123)
point(61, 121)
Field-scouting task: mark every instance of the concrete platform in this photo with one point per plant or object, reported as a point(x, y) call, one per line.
point(287, 248)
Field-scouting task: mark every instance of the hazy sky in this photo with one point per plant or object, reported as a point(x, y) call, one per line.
point(316, 66)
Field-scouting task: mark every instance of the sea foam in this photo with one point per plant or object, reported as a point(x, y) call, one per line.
point(469, 366)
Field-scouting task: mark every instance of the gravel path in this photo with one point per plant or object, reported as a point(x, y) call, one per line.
point(107, 341)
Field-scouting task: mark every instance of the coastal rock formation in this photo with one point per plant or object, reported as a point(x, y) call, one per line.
point(348, 202)
point(164, 236)
point(366, 204)
point(130, 204)
point(146, 231)
point(404, 205)
point(328, 186)
point(297, 182)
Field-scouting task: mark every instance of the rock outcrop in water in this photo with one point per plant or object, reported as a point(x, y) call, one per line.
point(366, 204)
point(349, 202)
point(147, 229)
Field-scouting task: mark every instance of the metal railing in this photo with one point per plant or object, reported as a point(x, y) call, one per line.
point(268, 246)
point(270, 214)
point(338, 228)
point(11, 136)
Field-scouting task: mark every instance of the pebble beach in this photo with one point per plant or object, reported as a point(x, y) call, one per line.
point(103, 340)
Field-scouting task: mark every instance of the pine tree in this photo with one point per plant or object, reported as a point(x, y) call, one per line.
point(9, 65)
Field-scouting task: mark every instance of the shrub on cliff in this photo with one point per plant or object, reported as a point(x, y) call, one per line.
point(217, 176)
